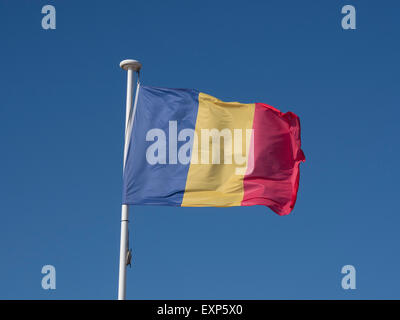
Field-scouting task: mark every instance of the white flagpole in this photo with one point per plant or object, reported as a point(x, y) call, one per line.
point(130, 66)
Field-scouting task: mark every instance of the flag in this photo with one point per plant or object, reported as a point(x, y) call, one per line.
point(187, 148)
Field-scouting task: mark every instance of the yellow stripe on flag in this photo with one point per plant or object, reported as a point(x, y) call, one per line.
point(217, 184)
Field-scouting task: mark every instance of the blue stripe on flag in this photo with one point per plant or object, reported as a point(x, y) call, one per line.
point(158, 184)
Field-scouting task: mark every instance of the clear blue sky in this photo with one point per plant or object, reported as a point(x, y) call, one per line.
point(62, 109)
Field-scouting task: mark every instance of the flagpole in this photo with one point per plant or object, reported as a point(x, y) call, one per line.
point(130, 66)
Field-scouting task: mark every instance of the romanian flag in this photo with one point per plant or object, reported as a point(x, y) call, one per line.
point(187, 148)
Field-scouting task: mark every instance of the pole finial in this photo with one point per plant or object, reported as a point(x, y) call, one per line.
point(130, 64)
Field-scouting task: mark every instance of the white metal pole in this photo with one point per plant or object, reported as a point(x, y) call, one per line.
point(122, 253)
point(130, 66)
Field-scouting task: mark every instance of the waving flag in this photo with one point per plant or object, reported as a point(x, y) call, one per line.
point(187, 148)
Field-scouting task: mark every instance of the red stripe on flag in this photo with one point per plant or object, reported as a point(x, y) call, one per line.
point(274, 179)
